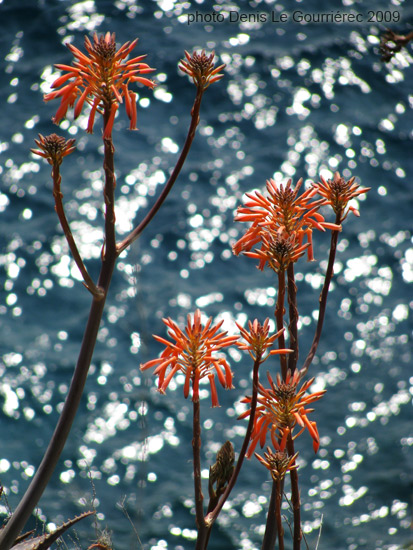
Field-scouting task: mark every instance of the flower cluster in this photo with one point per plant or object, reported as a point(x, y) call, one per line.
point(338, 193)
point(280, 222)
point(54, 148)
point(101, 79)
point(258, 341)
point(280, 408)
point(200, 67)
point(193, 354)
point(278, 462)
point(279, 251)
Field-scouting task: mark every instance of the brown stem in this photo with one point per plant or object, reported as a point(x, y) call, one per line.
point(58, 440)
point(109, 191)
point(172, 178)
point(44, 472)
point(88, 282)
point(279, 319)
point(295, 498)
point(271, 527)
point(199, 497)
point(293, 315)
point(278, 518)
point(212, 516)
point(323, 298)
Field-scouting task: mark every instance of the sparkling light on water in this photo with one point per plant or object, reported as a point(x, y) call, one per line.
point(311, 104)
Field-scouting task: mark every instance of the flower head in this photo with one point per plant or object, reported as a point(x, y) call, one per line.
point(257, 340)
point(338, 193)
point(193, 354)
point(280, 222)
point(220, 473)
point(280, 408)
point(54, 148)
point(278, 462)
point(104, 541)
point(200, 67)
point(100, 78)
point(278, 251)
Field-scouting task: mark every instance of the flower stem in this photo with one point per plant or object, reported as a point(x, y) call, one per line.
point(61, 433)
point(323, 298)
point(279, 318)
point(293, 314)
point(196, 448)
point(212, 516)
point(272, 527)
point(109, 191)
point(295, 498)
point(43, 474)
point(172, 178)
point(278, 500)
point(199, 497)
point(88, 282)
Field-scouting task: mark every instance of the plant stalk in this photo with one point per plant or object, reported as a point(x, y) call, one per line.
point(57, 442)
point(43, 474)
point(58, 196)
point(172, 178)
point(278, 518)
point(199, 497)
point(272, 527)
point(295, 497)
point(323, 298)
point(212, 516)
point(293, 316)
point(279, 319)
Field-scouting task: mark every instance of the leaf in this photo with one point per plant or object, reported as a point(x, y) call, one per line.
point(42, 542)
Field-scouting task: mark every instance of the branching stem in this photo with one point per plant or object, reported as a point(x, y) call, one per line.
point(212, 516)
point(58, 196)
point(168, 186)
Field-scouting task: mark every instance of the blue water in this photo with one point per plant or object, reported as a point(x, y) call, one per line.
point(297, 100)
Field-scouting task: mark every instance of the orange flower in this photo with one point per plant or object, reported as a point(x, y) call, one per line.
point(338, 193)
point(258, 341)
point(282, 216)
point(193, 355)
point(100, 79)
point(54, 148)
point(201, 68)
point(277, 250)
point(280, 408)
